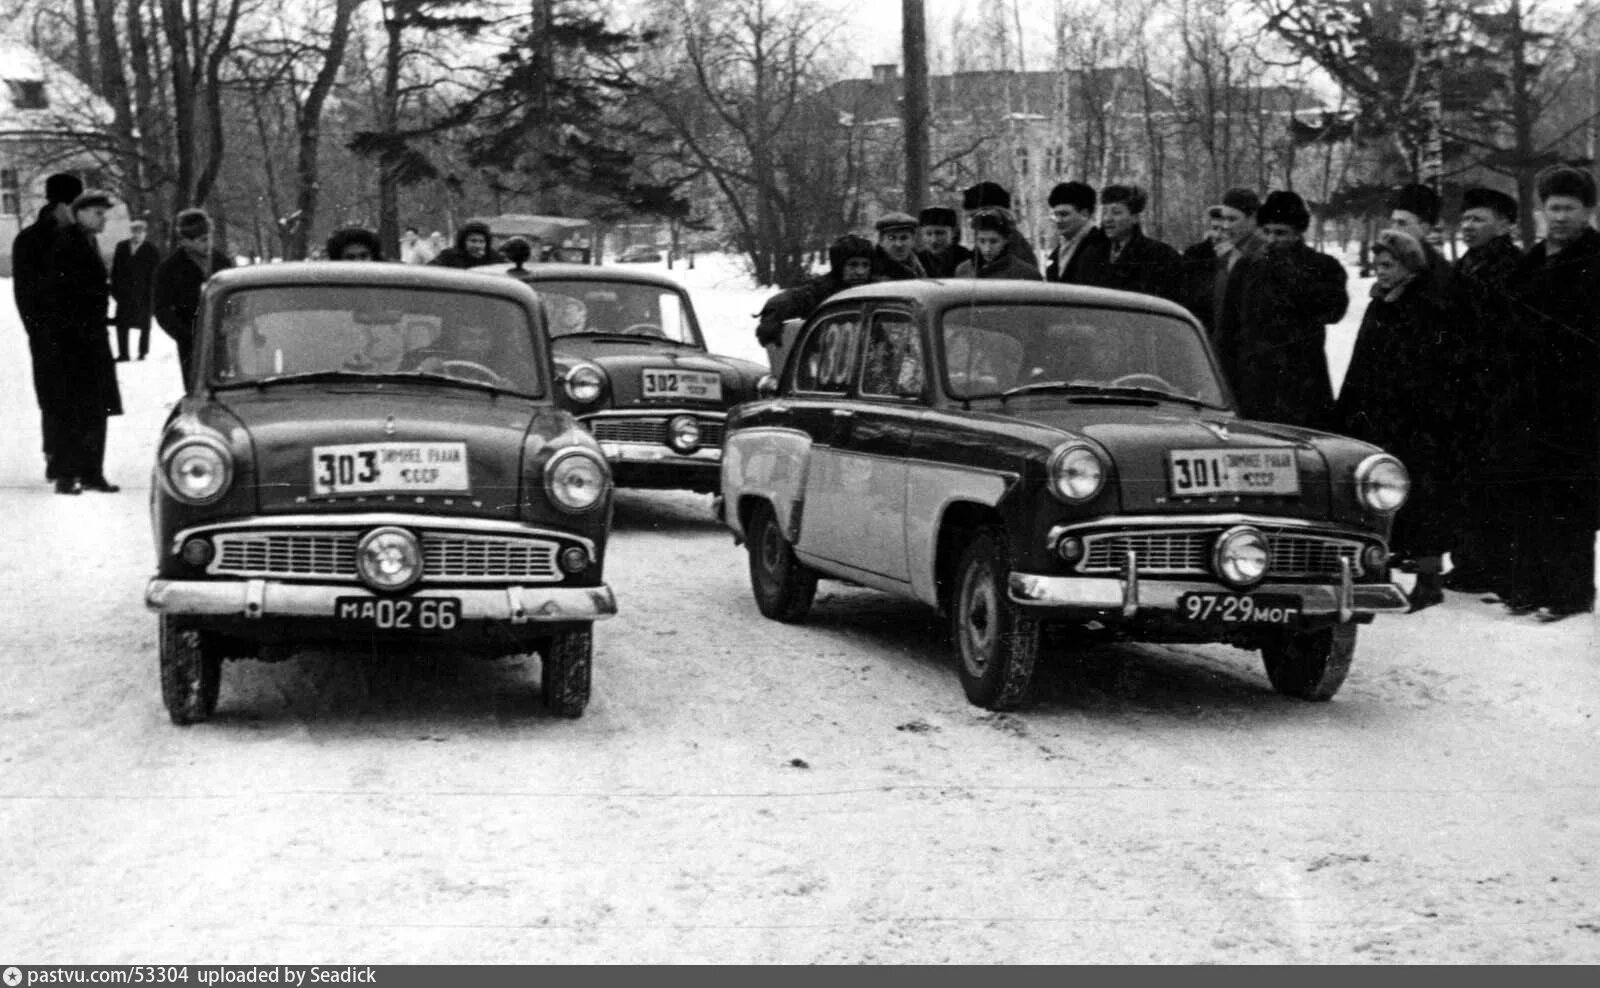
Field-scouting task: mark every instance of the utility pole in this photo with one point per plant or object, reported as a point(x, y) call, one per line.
point(914, 46)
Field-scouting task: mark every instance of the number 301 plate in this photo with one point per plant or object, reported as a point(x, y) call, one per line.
point(1239, 608)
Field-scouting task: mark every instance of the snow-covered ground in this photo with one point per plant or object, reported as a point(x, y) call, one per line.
point(745, 791)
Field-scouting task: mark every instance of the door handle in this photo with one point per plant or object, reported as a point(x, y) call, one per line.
point(844, 413)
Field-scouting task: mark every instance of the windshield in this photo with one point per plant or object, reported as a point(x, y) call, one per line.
point(284, 332)
point(649, 311)
point(992, 349)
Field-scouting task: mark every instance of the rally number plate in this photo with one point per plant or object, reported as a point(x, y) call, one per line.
point(390, 468)
point(1239, 608)
point(400, 613)
point(1208, 472)
point(661, 382)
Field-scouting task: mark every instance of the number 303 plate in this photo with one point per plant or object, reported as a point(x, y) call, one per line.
point(400, 613)
point(1239, 608)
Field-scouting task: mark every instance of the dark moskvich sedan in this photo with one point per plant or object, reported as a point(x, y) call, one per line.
point(1014, 454)
point(372, 454)
point(634, 368)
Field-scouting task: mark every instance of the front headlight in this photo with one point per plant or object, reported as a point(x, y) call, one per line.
point(683, 434)
point(575, 479)
point(198, 469)
point(1076, 473)
point(584, 383)
point(1382, 483)
point(1242, 556)
point(389, 559)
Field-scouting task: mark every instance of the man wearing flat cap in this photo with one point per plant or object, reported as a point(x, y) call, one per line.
point(1483, 314)
point(30, 258)
point(993, 195)
point(1414, 209)
point(939, 230)
point(896, 256)
point(1555, 355)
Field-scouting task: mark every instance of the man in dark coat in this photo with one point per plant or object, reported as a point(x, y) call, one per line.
point(471, 248)
point(895, 258)
point(1239, 244)
point(1414, 210)
point(78, 293)
point(1135, 262)
point(179, 279)
point(133, 273)
point(1199, 265)
point(992, 195)
point(991, 235)
point(1081, 247)
point(940, 233)
point(1483, 313)
point(1271, 342)
point(30, 257)
point(1554, 443)
point(849, 264)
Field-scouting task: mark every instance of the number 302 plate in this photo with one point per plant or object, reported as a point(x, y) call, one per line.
point(1239, 608)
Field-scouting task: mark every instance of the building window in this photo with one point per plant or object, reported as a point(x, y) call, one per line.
point(1056, 161)
point(1022, 161)
point(28, 94)
point(10, 193)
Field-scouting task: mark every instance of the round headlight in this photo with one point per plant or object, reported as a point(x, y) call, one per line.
point(198, 470)
point(1382, 483)
point(683, 434)
point(389, 559)
point(1242, 556)
point(584, 383)
point(1076, 473)
point(575, 479)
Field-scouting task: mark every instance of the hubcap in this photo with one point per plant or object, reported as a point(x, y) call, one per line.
point(979, 610)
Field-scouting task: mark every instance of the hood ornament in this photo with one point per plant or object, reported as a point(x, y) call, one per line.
point(1218, 429)
point(388, 426)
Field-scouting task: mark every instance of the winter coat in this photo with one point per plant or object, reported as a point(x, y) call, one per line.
point(1007, 265)
point(795, 303)
point(133, 274)
point(1399, 394)
point(1198, 264)
point(30, 260)
point(885, 268)
point(1481, 300)
point(1086, 265)
point(943, 265)
point(456, 256)
point(84, 375)
point(176, 297)
point(1143, 265)
point(1271, 334)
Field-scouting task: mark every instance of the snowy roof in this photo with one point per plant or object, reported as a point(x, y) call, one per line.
point(39, 97)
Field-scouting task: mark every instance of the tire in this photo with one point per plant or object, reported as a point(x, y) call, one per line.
point(996, 642)
point(783, 586)
point(1310, 665)
point(191, 672)
point(564, 672)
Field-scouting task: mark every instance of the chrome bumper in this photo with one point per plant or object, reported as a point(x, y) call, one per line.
point(653, 453)
point(269, 599)
point(1129, 595)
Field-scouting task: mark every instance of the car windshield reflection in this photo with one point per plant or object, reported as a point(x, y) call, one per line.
point(292, 333)
point(600, 308)
point(1003, 350)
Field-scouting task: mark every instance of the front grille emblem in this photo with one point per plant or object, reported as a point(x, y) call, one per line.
point(1218, 429)
point(388, 426)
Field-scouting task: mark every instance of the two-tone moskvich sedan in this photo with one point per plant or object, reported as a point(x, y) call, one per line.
point(1016, 453)
point(634, 368)
point(371, 453)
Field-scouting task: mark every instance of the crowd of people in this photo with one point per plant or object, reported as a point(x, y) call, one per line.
point(1479, 374)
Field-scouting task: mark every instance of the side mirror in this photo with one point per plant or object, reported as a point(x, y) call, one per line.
point(767, 387)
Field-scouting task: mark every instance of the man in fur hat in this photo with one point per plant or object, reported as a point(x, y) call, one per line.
point(1414, 210)
point(1081, 246)
point(849, 264)
point(940, 233)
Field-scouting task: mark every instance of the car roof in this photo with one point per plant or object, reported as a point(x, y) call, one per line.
point(940, 293)
point(537, 271)
point(379, 273)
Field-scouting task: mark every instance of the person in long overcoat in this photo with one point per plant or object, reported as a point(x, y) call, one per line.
point(1552, 438)
point(133, 272)
point(30, 257)
point(1198, 262)
point(180, 278)
point(1398, 395)
point(84, 390)
point(992, 233)
point(1273, 325)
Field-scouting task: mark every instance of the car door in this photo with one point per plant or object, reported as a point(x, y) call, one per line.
point(824, 369)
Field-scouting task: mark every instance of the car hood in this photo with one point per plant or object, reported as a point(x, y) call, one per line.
point(286, 422)
point(1138, 438)
point(624, 361)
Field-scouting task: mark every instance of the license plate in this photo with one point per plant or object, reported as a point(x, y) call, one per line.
point(390, 468)
point(1239, 608)
point(400, 613)
point(1205, 472)
point(663, 383)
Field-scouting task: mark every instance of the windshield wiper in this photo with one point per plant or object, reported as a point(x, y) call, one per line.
point(316, 377)
point(609, 336)
point(1157, 393)
point(1083, 388)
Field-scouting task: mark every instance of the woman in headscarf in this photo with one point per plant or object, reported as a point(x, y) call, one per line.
point(1397, 395)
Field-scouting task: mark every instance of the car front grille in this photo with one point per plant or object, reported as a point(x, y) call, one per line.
point(1188, 553)
point(331, 555)
point(650, 430)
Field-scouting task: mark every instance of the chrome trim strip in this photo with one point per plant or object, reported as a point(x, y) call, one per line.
point(658, 454)
point(1130, 584)
point(1179, 522)
point(1347, 591)
point(1101, 594)
point(654, 412)
point(337, 524)
point(231, 598)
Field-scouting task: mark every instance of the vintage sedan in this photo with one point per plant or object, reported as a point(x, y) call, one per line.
point(633, 366)
point(372, 454)
point(1016, 454)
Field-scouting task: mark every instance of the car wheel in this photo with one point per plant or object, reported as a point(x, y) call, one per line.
point(191, 672)
point(783, 586)
point(996, 642)
point(1310, 665)
point(565, 666)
